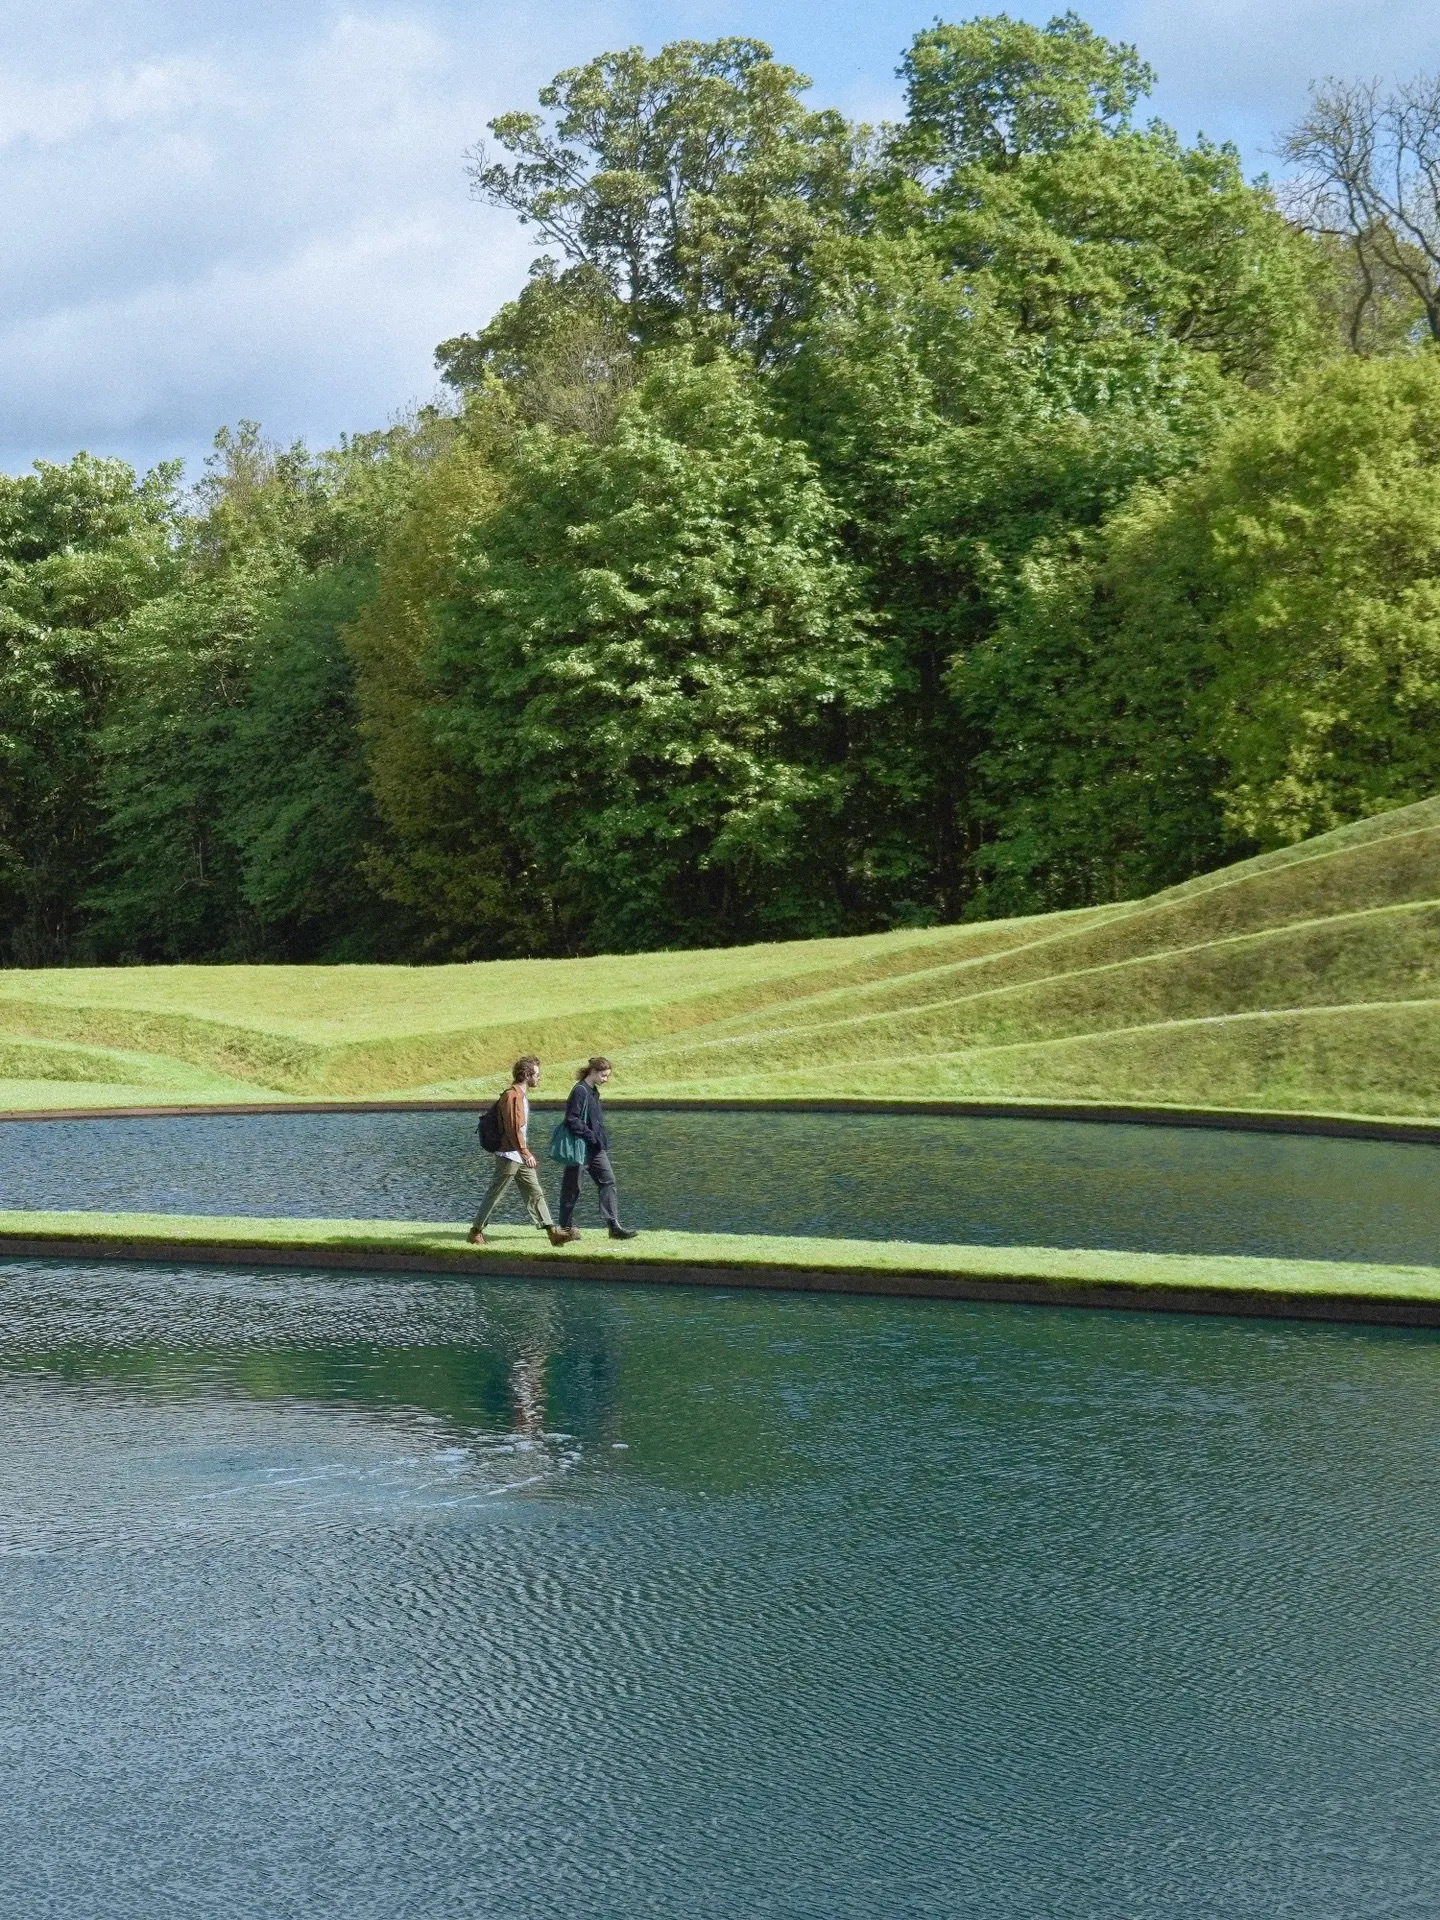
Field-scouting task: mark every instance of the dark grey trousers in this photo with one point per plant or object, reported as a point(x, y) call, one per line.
point(603, 1174)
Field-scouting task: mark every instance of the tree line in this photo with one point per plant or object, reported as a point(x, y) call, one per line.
point(1006, 510)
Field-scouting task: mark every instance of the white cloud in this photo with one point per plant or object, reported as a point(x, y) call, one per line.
point(52, 113)
point(334, 320)
point(275, 229)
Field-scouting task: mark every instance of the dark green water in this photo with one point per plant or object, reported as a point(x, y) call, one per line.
point(862, 1176)
point(328, 1595)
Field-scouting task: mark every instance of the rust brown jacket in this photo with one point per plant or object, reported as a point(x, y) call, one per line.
point(512, 1120)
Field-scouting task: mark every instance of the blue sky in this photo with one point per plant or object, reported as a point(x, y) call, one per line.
point(212, 212)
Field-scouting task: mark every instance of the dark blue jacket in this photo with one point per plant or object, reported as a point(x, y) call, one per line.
point(585, 1115)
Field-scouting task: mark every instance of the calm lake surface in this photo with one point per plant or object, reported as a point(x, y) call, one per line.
point(326, 1594)
point(913, 1177)
point(338, 1595)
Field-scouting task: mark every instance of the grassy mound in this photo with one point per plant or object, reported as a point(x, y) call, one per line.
point(1307, 979)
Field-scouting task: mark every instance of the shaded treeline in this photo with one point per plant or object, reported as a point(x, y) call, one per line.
point(1006, 510)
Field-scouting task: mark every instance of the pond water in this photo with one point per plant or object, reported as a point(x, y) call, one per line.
point(326, 1594)
point(868, 1176)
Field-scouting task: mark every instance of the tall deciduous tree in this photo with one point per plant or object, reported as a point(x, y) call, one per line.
point(1026, 168)
point(449, 856)
point(1247, 657)
point(81, 547)
point(296, 804)
point(695, 182)
point(650, 657)
point(181, 878)
point(993, 92)
point(563, 351)
point(956, 446)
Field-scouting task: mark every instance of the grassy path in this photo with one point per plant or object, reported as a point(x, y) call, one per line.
point(1306, 1289)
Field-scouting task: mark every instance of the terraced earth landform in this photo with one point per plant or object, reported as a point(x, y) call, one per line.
point(1307, 980)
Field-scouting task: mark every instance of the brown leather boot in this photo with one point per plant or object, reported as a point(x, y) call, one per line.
point(475, 1237)
point(561, 1236)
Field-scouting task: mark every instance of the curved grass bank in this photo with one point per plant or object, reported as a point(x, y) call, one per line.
point(1305, 981)
point(1048, 1276)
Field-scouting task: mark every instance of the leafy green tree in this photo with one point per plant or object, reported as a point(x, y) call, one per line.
point(180, 880)
point(994, 92)
point(1247, 657)
point(650, 656)
point(563, 351)
point(1323, 588)
point(695, 183)
point(1019, 154)
point(1096, 779)
point(454, 865)
point(957, 446)
point(81, 547)
point(170, 886)
point(297, 807)
point(1050, 309)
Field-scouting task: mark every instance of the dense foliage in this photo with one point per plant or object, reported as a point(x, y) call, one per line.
point(1247, 657)
point(1003, 510)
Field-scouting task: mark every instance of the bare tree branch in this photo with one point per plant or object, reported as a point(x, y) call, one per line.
point(1370, 178)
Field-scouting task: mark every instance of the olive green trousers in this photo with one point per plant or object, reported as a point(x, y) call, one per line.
point(527, 1180)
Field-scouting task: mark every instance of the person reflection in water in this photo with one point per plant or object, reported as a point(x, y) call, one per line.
point(585, 1117)
point(527, 1393)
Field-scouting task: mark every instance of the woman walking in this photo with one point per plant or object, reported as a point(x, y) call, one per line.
point(585, 1118)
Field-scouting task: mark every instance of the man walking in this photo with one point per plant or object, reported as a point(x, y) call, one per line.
point(514, 1160)
point(585, 1117)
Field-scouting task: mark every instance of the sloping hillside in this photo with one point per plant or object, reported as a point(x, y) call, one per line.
point(1307, 979)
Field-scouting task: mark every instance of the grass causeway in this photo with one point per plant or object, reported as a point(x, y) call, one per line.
point(1307, 1289)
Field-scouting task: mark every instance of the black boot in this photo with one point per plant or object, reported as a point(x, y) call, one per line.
point(623, 1233)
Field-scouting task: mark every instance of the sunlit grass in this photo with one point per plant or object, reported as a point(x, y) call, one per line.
point(670, 1254)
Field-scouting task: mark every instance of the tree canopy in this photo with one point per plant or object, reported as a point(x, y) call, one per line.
point(844, 527)
point(1237, 661)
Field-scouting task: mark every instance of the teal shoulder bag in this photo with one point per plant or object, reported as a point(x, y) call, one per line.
point(568, 1148)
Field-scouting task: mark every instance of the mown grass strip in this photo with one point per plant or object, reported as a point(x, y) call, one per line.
point(1078, 1276)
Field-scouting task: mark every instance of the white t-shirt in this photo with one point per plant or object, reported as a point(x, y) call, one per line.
point(524, 1129)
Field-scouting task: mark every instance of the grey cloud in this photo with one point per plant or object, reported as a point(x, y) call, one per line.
point(279, 229)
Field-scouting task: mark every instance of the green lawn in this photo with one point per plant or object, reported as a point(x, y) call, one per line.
point(168, 1235)
point(1306, 980)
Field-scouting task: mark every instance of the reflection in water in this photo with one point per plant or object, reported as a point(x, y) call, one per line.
point(1021, 1182)
point(529, 1367)
point(335, 1594)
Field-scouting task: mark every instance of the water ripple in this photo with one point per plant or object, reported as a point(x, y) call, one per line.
point(344, 1595)
point(915, 1177)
